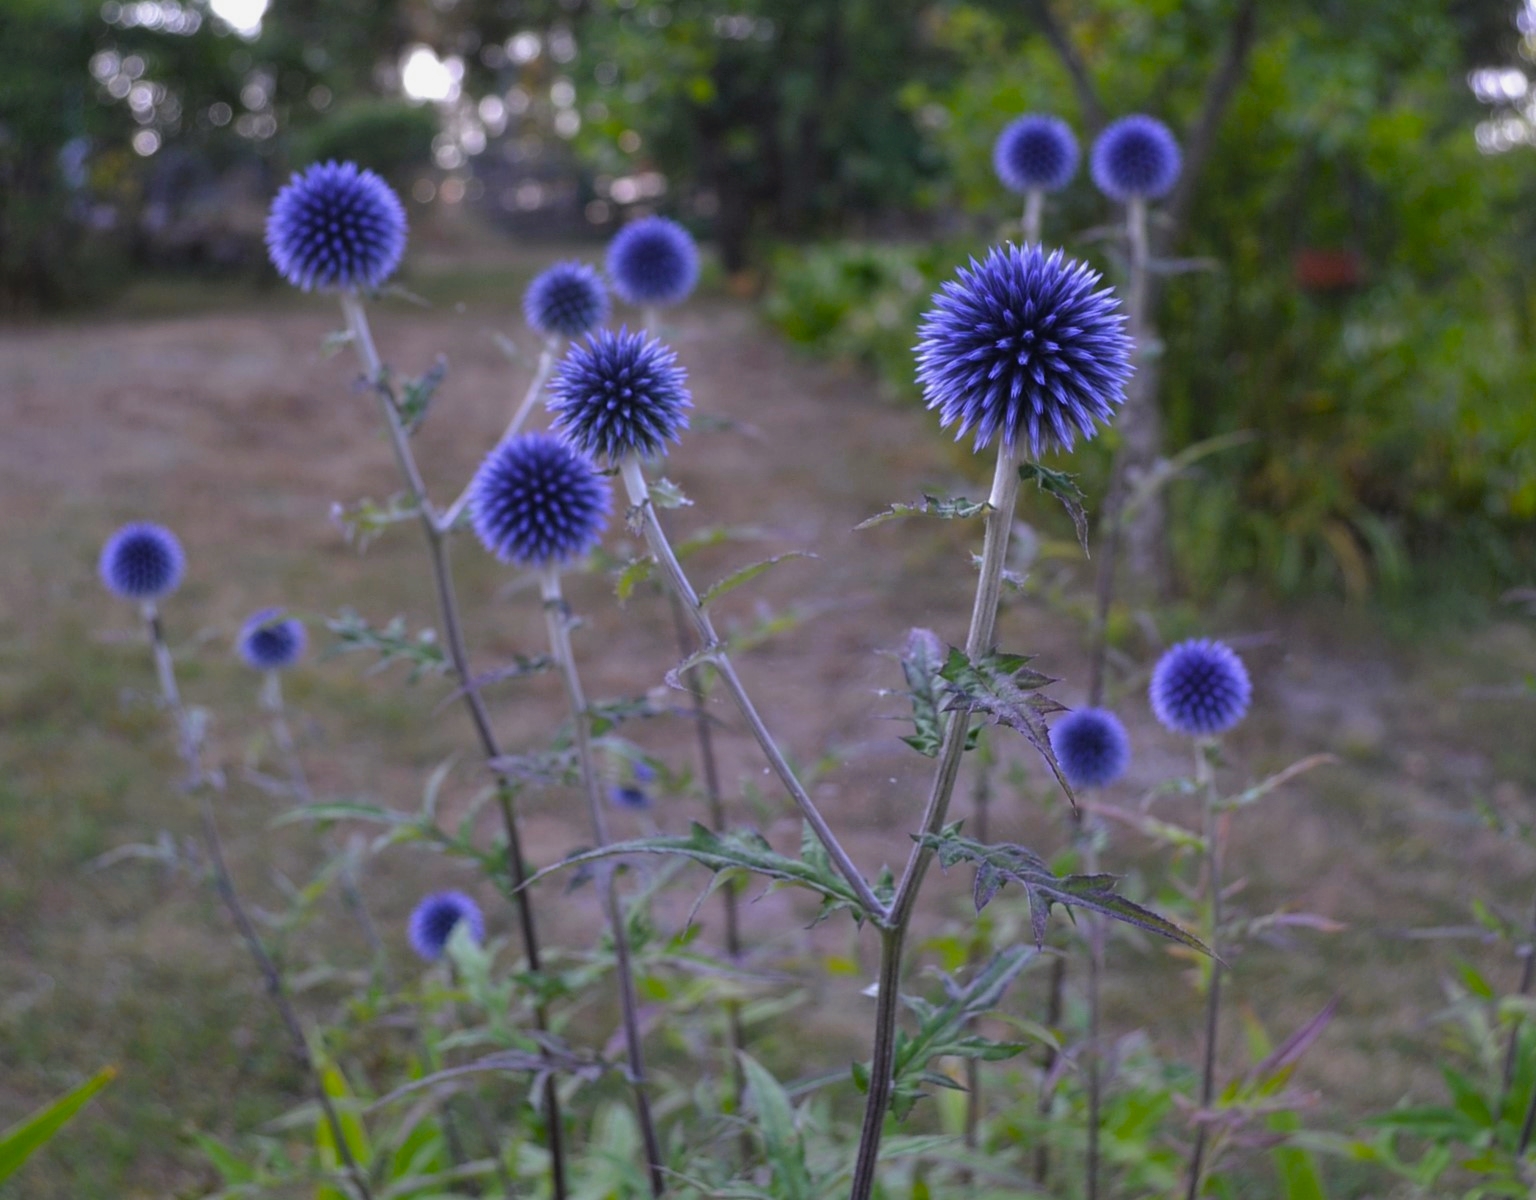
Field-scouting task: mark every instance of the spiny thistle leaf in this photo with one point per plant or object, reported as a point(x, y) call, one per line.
point(736, 578)
point(940, 1032)
point(1003, 687)
point(546, 768)
point(392, 644)
point(1064, 488)
point(945, 508)
point(921, 663)
point(783, 1146)
point(1005, 862)
point(742, 850)
point(666, 494)
point(416, 395)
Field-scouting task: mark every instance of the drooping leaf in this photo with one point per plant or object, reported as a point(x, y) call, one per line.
point(945, 508)
point(635, 572)
point(1004, 688)
point(745, 575)
point(1064, 488)
point(742, 850)
point(22, 1140)
point(1005, 862)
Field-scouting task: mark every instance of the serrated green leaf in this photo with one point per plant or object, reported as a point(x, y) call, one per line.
point(745, 575)
point(1006, 862)
point(945, 508)
point(392, 644)
point(1064, 488)
point(1004, 688)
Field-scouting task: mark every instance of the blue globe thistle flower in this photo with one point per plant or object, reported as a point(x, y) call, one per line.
point(629, 796)
point(1135, 156)
point(1091, 746)
point(653, 261)
point(142, 561)
point(336, 226)
point(435, 919)
point(537, 501)
point(1200, 688)
point(618, 394)
point(1022, 347)
point(567, 300)
point(268, 641)
point(1035, 153)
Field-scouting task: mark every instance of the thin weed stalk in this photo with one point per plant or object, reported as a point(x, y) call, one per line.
point(1206, 782)
point(205, 783)
point(436, 532)
point(1112, 521)
point(714, 648)
point(557, 619)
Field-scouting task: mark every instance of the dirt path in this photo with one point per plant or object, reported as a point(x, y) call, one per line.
point(235, 430)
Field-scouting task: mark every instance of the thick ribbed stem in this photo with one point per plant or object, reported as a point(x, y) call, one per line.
point(1034, 209)
point(979, 641)
point(458, 657)
point(1205, 779)
point(557, 619)
point(661, 550)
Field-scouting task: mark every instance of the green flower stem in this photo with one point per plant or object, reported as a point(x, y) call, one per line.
point(1111, 524)
point(1205, 780)
point(999, 519)
point(541, 373)
point(1034, 210)
point(557, 619)
point(1095, 929)
point(205, 783)
point(453, 637)
point(661, 550)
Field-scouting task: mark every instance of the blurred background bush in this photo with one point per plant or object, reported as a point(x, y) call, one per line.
point(1359, 232)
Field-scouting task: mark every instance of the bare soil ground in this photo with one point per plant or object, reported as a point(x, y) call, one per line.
point(232, 427)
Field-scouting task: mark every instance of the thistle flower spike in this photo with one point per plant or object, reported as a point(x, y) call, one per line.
point(142, 561)
point(1022, 347)
point(336, 226)
point(538, 502)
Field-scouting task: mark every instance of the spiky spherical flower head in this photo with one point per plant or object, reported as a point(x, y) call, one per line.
point(142, 561)
point(1135, 156)
point(1200, 688)
point(1035, 153)
point(617, 394)
point(269, 641)
point(567, 300)
point(1091, 747)
point(537, 501)
point(336, 226)
point(653, 261)
point(435, 919)
point(1022, 347)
